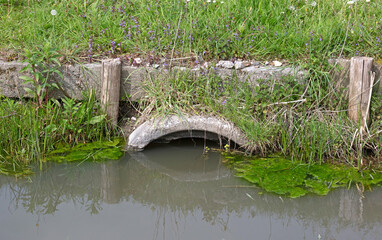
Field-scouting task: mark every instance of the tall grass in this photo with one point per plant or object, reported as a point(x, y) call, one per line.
point(223, 29)
point(28, 132)
point(286, 116)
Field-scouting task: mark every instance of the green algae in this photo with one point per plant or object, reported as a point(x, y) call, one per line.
point(9, 168)
point(282, 176)
point(95, 151)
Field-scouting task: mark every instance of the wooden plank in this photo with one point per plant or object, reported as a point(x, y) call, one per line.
point(355, 87)
point(366, 90)
point(110, 88)
point(360, 89)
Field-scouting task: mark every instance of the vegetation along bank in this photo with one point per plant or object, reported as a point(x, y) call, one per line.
point(305, 120)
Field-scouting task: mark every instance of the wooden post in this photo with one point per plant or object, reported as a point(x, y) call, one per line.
point(360, 89)
point(110, 88)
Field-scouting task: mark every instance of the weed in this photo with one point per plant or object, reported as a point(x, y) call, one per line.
point(288, 116)
point(27, 134)
point(42, 63)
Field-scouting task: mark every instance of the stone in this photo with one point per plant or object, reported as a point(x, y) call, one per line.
point(250, 69)
point(132, 79)
point(180, 68)
point(277, 63)
point(196, 68)
point(225, 64)
point(138, 60)
point(156, 66)
point(247, 64)
point(239, 65)
point(255, 63)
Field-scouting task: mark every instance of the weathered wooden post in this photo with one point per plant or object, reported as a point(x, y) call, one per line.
point(360, 89)
point(110, 88)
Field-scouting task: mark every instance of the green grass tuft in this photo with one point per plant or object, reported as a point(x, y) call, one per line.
point(29, 132)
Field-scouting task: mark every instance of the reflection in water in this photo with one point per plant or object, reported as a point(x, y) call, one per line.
point(351, 206)
point(173, 192)
point(111, 191)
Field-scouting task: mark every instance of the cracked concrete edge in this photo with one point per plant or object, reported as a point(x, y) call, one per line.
point(159, 127)
point(79, 78)
point(84, 77)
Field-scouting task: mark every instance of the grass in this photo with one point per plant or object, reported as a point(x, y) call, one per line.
point(28, 132)
point(308, 123)
point(291, 29)
point(32, 128)
point(286, 116)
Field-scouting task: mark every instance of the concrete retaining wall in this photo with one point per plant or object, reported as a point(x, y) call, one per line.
point(78, 78)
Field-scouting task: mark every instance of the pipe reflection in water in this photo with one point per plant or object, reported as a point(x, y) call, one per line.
point(173, 192)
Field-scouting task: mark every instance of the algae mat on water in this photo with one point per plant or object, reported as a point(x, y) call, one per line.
point(95, 151)
point(285, 177)
point(13, 169)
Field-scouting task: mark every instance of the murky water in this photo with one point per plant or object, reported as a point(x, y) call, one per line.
point(173, 192)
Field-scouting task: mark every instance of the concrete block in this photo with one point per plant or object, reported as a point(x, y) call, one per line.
point(10, 82)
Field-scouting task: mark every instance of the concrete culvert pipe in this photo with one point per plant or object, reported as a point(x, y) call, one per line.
point(177, 127)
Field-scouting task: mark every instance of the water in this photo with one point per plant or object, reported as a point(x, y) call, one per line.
point(173, 192)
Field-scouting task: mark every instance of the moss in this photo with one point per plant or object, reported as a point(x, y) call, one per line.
point(17, 170)
point(96, 151)
point(282, 176)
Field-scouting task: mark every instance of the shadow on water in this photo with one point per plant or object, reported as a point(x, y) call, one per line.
point(178, 193)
